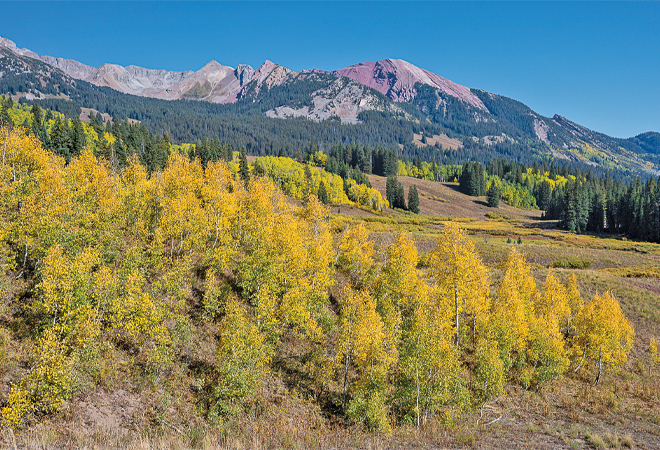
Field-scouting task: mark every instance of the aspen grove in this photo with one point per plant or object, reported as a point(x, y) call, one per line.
point(103, 265)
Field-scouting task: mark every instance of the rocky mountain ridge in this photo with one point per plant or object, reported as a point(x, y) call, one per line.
point(217, 83)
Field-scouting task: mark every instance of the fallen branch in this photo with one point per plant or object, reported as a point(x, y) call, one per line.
point(492, 421)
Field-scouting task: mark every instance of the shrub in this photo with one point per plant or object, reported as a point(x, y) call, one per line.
point(571, 263)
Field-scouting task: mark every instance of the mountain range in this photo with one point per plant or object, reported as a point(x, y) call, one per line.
point(392, 94)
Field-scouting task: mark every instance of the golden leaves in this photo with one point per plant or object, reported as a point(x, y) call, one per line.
point(604, 332)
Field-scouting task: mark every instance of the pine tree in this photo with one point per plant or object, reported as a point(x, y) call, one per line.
point(395, 194)
point(323, 193)
point(413, 200)
point(493, 196)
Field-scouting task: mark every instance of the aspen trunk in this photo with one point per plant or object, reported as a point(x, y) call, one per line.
point(600, 368)
point(584, 354)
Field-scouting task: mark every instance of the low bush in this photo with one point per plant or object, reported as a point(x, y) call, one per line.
point(570, 263)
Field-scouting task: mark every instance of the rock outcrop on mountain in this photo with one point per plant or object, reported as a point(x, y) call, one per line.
point(136, 80)
point(266, 76)
point(396, 79)
point(223, 84)
point(343, 99)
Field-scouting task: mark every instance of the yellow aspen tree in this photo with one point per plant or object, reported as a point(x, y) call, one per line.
point(575, 301)
point(397, 287)
point(553, 303)
point(176, 283)
point(355, 254)
point(284, 254)
point(546, 353)
point(182, 222)
point(221, 194)
point(136, 317)
point(604, 333)
point(315, 271)
point(242, 354)
point(140, 199)
point(48, 384)
point(547, 357)
point(106, 290)
point(360, 346)
point(66, 287)
point(512, 309)
point(95, 201)
point(489, 373)
point(430, 375)
point(34, 192)
point(462, 279)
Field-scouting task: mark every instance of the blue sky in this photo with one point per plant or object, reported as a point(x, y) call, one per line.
point(596, 63)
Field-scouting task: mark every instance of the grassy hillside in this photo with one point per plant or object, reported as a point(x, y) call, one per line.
point(201, 308)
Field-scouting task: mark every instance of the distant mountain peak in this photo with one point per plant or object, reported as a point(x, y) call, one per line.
point(271, 74)
point(396, 79)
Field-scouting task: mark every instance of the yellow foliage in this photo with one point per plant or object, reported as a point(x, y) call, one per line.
point(135, 316)
point(575, 301)
point(513, 308)
point(553, 303)
point(242, 353)
point(461, 278)
point(289, 175)
point(490, 369)
point(47, 385)
point(653, 351)
point(355, 254)
point(361, 345)
point(429, 360)
point(66, 286)
point(182, 222)
point(398, 287)
point(603, 332)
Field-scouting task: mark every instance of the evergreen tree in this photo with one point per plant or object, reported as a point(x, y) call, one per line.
point(323, 193)
point(543, 195)
point(413, 200)
point(472, 180)
point(309, 182)
point(394, 193)
point(493, 196)
point(78, 140)
point(60, 141)
point(5, 119)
